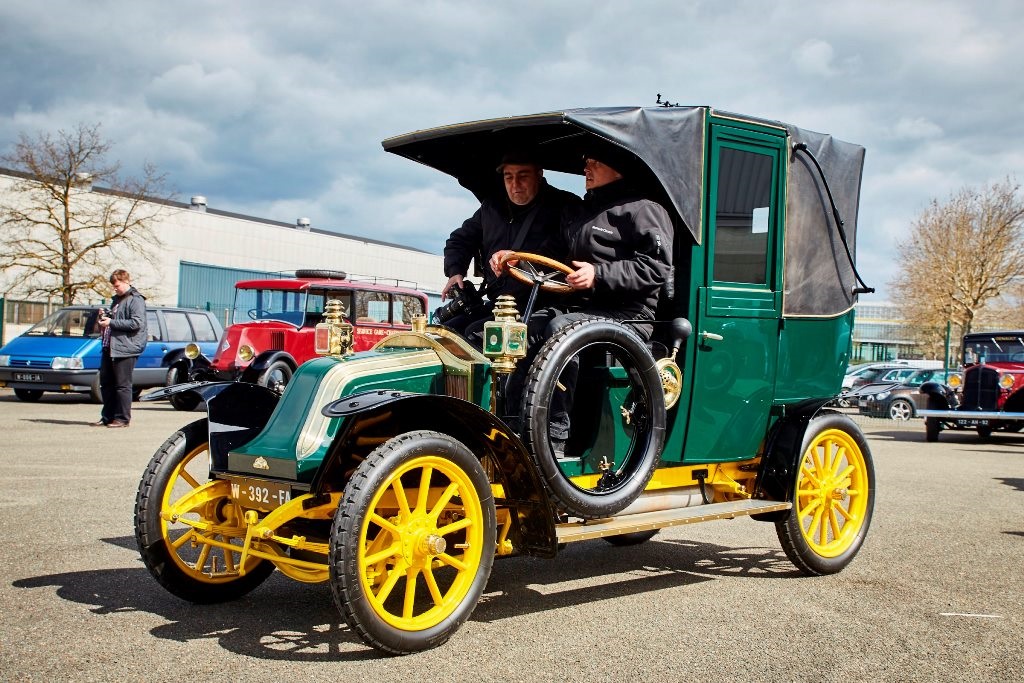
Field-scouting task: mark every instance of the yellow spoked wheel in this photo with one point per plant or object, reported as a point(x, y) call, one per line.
point(188, 531)
point(413, 542)
point(833, 497)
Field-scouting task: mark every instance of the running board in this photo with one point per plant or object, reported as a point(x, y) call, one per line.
point(648, 521)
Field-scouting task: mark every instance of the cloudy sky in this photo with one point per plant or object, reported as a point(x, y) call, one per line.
point(277, 109)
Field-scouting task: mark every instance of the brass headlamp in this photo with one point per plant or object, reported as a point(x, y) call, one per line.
point(505, 336)
point(333, 335)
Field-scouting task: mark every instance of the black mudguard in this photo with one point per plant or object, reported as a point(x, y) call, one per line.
point(262, 362)
point(937, 398)
point(237, 412)
point(781, 456)
point(378, 415)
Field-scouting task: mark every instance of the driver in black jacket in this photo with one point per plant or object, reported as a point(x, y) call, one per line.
point(528, 214)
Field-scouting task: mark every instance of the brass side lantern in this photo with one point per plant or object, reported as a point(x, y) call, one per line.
point(333, 335)
point(505, 336)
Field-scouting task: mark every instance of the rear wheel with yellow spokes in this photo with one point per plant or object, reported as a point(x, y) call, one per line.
point(412, 543)
point(833, 499)
point(189, 532)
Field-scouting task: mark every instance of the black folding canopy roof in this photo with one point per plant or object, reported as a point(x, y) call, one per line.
point(664, 147)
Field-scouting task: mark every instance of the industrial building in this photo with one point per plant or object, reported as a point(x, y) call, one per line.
point(204, 251)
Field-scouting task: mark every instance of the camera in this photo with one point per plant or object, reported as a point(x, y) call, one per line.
point(466, 300)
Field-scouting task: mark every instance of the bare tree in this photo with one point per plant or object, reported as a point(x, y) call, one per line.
point(60, 237)
point(960, 256)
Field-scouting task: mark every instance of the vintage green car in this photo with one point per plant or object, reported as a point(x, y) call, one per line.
point(397, 474)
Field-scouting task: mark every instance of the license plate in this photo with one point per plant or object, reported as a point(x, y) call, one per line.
point(27, 377)
point(966, 422)
point(261, 494)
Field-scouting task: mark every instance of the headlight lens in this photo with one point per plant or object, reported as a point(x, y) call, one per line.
point(192, 351)
point(62, 363)
point(5, 360)
point(1006, 381)
point(246, 353)
point(881, 396)
point(955, 380)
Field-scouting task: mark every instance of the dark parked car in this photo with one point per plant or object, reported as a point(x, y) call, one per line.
point(62, 351)
point(896, 395)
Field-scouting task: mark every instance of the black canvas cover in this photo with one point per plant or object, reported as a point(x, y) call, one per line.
point(667, 147)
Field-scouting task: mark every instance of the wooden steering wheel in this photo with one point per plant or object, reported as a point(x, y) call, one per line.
point(525, 271)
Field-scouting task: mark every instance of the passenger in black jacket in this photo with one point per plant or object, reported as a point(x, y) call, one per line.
point(523, 218)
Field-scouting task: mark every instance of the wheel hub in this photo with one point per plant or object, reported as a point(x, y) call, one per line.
point(420, 540)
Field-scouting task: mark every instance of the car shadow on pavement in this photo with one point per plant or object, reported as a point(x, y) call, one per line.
point(288, 620)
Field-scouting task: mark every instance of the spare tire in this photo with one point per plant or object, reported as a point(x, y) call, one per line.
point(325, 274)
point(632, 463)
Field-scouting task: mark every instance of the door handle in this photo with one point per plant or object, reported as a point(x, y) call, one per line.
point(704, 336)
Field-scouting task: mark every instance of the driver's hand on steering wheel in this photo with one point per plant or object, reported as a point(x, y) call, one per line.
point(495, 262)
point(583, 277)
point(453, 281)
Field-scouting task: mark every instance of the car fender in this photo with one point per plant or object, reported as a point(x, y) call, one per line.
point(390, 413)
point(236, 412)
point(264, 361)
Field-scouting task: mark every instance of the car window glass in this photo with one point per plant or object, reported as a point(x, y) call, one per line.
point(153, 326)
point(741, 219)
point(403, 307)
point(203, 328)
point(372, 307)
point(316, 300)
point(178, 328)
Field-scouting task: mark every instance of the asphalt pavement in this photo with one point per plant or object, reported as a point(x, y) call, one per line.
point(936, 593)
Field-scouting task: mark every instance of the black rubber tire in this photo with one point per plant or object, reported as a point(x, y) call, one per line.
point(399, 459)
point(136, 394)
point(185, 401)
point(932, 427)
point(984, 431)
point(163, 561)
point(638, 464)
point(633, 538)
point(325, 274)
point(820, 472)
point(276, 376)
point(28, 395)
point(95, 395)
point(900, 407)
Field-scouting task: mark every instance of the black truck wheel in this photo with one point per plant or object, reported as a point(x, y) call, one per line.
point(185, 401)
point(276, 376)
point(627, 471)
point(28, 395)
point(932, 427)
point(412, 542)
point(196, 565)
point(632, 538)
point(833, 497)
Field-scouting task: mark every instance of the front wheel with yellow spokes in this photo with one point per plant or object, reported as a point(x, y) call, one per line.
point(833, 498)
point(189, 532)
point(412, 542)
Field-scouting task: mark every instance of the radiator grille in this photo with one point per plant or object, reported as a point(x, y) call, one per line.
point(981, 389)
point(277, 341)
point(457, 386)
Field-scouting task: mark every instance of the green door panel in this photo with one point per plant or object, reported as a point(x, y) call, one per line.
point(736, 329)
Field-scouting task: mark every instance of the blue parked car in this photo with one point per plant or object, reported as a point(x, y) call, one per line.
point(62, 352)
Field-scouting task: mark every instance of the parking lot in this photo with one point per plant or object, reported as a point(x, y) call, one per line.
point(937, 592)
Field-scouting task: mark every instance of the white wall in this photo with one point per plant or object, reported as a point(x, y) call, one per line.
point(206, 238)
